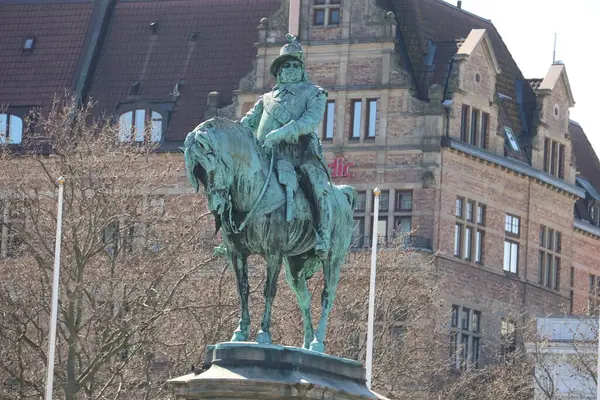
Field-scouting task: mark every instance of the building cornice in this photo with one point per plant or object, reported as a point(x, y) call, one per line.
point(586, 227)
point(515, 166)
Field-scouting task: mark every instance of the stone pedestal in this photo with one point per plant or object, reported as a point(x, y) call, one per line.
point(253, 371)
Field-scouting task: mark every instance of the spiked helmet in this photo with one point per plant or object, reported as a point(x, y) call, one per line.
point(292, 50)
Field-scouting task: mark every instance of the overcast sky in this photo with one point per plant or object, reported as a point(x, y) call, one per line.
point(528, 27)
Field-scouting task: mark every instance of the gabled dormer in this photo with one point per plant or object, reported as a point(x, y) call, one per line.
point(476, 69)
point(478, 66)
point(552, 147)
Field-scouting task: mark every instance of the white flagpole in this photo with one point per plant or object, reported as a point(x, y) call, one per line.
point(55, 282)
point(371, 321)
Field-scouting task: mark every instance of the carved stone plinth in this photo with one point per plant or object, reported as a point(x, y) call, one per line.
point(253, 371)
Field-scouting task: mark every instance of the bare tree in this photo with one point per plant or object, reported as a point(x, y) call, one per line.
point(133, 258)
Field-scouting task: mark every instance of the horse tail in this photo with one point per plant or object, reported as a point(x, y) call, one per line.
point(351, 195)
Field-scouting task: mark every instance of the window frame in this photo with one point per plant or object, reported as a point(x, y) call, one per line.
point(399, 200)
point(371, 119)
point(554, 158)
point(326, 7)
point(472, 230)
point(327, 136)
point(549, 257)
point(356, 125)
point(512, 218)
point(150, 117)
point(470, 355)
point(9, 120)
point(514, 247)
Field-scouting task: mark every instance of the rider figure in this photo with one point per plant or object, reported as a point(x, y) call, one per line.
point(285, 120)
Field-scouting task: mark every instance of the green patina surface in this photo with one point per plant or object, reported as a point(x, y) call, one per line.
point(270, 192)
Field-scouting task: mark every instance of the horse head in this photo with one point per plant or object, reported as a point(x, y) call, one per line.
point(206, 166)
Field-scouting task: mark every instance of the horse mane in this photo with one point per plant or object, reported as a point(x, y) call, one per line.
point(233, 139)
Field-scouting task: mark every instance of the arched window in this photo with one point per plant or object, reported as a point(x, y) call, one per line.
point(135, 125)
point(11, 129)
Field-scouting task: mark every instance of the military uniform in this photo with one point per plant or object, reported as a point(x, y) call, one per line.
point(289, 116)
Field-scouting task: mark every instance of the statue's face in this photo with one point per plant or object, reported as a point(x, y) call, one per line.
point(291, 72)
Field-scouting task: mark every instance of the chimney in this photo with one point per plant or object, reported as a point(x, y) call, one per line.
point(294, 18)
point(459, 4)
point(212, 105)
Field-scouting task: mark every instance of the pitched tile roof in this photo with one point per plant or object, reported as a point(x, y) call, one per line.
point(587, 163)
point(535, 83)
point(219, 56)
point(32, 78)
point(436, 20)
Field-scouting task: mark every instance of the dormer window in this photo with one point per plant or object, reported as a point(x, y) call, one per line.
point(140, 125)
point(514, 145)
point(554, 158)
point(11, 129)
point(28, 44)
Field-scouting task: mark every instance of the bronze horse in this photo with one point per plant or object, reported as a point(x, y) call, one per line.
point(250, 209)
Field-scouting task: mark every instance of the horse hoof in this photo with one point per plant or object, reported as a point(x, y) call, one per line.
point(317, 347)
point(263, 337)
point(239, 336)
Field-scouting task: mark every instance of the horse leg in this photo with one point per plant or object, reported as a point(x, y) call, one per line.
point(273, 269)
point(240, 267)
point(296, 269)
point(331, 278)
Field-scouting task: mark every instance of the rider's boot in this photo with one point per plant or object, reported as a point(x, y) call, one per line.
point(323, 239)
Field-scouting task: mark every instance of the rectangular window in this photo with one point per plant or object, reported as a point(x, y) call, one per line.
point(514, 145)
point(356, 119)
point(326, 13)
point(328, 120)
point(358, 233)
point(403, 200)
point(474, 127)
point(140, 119)
point(464, 123)
point(465, 337)
point(547, 148)
point(594, 285)
point(470, 206)
point(468, 242)
point(334, 16)
point(553, 157)
point(479, 240)
point(319, 17)
point(371, 118)
point(382, 231)
point(384, 201)
point(125, 124)
point(459, 207)
point(549, 258)
point(361, 202)
point(403, 225)
point(561, 161)
point(481, 214)
point(457, 239)
point(469, 234)
point(511, 256)
point(485, 122)
point(508, 336)
point(512, 225)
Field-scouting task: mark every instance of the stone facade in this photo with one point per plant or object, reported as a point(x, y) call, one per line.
point(405, 154)
point(429, 112)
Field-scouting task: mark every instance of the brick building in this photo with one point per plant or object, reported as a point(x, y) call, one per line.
point(477, 162)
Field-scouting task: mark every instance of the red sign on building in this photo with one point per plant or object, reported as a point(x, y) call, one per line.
point(340, 168)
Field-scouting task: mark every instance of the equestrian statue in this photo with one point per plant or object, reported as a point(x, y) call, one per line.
point(271, 194)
